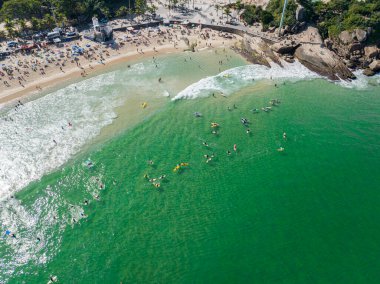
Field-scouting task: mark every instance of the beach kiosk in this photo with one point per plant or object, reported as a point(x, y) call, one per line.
point(99, 32)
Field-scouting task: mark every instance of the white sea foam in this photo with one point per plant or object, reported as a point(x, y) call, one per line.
point(28, 150)
point(233, 79)
point(361, 82)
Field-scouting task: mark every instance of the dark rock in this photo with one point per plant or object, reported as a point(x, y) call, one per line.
point(283, 48)
point(328, 43)
point(355, 47)
point(350, 64)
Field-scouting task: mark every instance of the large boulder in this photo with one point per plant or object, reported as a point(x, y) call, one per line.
point(355, 47)
point(375, 66)
point(359, 35)
point(323, 61)
point(345, 37)
point(371, 51)
point(368, 72)
point(300, 14)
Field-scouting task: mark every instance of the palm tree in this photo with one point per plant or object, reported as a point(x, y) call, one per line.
point(227, 11)
point(217, 7)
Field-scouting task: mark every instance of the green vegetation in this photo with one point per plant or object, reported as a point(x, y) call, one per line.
point(272, 15)
point(331, 18)
point(275, 8)
point(27, 16)
point(338, 15)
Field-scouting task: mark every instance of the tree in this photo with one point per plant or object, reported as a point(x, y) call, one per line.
point(227, 11)
point(266, 18)
point(140, 7)
point(217, 7)
point(275, 8)
point(10, 28)
point(122, 12)
point(21, 9)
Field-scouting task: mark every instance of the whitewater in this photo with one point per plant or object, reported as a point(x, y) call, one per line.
point(229, 81)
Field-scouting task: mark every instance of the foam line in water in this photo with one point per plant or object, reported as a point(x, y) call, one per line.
point(43, 134)
point(233, 79)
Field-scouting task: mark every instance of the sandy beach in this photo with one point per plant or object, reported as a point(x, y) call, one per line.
point(49, 66)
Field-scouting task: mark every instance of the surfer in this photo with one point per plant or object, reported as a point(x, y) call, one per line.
point(228, 152)
point(235, 147)
point(284, 135)
point(159, 79)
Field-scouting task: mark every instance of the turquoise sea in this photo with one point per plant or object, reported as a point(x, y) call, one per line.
point(85, 208)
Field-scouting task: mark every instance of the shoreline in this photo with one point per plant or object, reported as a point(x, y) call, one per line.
point(38, 84)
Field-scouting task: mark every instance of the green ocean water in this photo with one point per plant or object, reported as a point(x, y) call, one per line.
point(305, 215)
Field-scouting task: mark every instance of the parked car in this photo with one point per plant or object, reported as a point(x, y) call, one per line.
point(12, 43)
point(71, 34)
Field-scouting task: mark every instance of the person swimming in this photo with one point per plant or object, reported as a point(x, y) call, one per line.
point(205, 144)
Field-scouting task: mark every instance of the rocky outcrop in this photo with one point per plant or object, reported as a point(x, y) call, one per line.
point(323, 61)
point(285, 47)
point(371, 51)
point(356, 35)
point(375, 66)
point(355, 47)
point(256, 51)
point(368, 72)
point(359, 35)
point(345, 37)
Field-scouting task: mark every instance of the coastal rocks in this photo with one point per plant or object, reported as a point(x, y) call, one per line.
point(355, 47)
point(328, 43)
point(285, 47)
point(256, 51)
point(375, 66)
point(323, 62)
point(345, 37)
point(289, 59)
point(359, 35)
point(252, 55)
point(368, 72)
point(371, 51)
